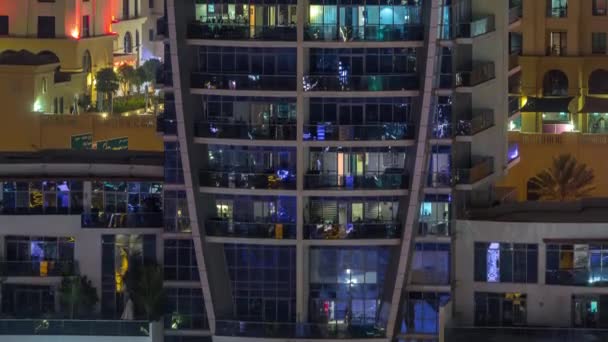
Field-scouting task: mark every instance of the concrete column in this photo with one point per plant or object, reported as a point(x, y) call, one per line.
point(87, 191)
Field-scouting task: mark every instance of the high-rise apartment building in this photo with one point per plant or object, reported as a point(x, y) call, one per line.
point(318, 153)
point(558, 97)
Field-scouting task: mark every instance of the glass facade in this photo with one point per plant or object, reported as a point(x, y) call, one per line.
point(500, 309)
point(431, 264)
point(27, 256)
point(263, 282)
point(27, 301)
point(582, 264)
point(421, 314)
point(41, 197)
point(185, 309)
point(180, 260)
point(347, 285)
point(499, 262)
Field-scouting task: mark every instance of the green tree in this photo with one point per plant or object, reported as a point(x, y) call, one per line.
point(126, 77)
point(77, 296)
point(144, 283)
point(139, 79)
point(149, 70)
point(565, 180)
point(106, 84)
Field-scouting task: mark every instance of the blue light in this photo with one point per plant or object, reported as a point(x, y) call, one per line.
point(282, 174)
point(213, 129)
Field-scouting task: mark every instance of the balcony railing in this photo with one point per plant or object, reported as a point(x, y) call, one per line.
point(361, 83)
point(233, 31)
point(50, 268)
point(433, 227)
point(370, 230)
point(515, 13)
point(514, 60)
point(282, 179)
point(369, 33)
point(440, 179)
point(481, 169)
point(166, 126)
point(243, 81)
point(246, 131)
point(481, 120)
point(480, 73)
point(22, 327)
point(370, 180)
point(512, 152)
point(122, 220)
point(476, 27)
point(514, 106)
point(267, 230)
point(385, 131)
point(297, 330)
point(577, 277)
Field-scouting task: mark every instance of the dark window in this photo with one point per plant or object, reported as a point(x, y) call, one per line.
point(150, 3)
point(46, 27)
point(500, 309)
point(185, 309)
point(125, 9)
point(151, 35)
point(422, 312)
point(86, 26)
point(180, 260)
point(555, 83)
point(498, 262)
point(598, 82)
point(600, 7)
point(4, 25)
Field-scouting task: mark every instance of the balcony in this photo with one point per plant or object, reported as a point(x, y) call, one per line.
point(515, 13)
point(440, 179)
point(297, 330)
point(243, 130)
point(234, 31)
point(57, 327)
point(475, 28)
point(122, 220)
point(264, 230)
point(385, 131)
point(514, 106)
point(361, 83)
point(363, 230)
point(481, 168)
point(166, 126)
point(577, 277)
point(281, 179)
point(31, 268)
point(388, 180)
point(243, 82)
point(514, 60)
point(481, 121)
point(367, 33)
point(479, 73)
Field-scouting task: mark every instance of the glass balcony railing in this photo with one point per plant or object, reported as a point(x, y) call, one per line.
point(31, 268)
point(514, 60)
point(440, 179)
point(512, 152)
point(21, 327)
point(282, 179)
point(577, 277)
point(476, 27)
point(370, 180)
point(361, 83)
point(234, 31)
point(242, 130)
point(434, 227)
point(267, 230)
point(514, 106)
point(243, 81)
point(480, 73)
point(369, 33)
point(365, 230)
point(297, 330)
point(480, 169)
point(385, 131)
point(515, 13)
point(482, 120)
point(122, 220)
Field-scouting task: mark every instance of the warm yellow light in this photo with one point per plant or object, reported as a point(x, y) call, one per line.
point(37, 106)
point(75, 33)
point(104, 115)
point(314, 12)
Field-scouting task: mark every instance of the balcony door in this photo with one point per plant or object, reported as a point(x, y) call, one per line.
point(351, 23)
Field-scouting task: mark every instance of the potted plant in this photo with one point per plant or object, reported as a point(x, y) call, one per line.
point(77, 296)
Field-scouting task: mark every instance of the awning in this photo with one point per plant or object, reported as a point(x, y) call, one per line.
point(595, 105)
point(547, 105)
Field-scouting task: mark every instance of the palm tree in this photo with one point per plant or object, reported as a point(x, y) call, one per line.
point(144, 283)
point(77, 295)
point(565, 180)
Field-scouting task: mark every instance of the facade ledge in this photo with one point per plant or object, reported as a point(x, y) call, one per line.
point(355, 193)
point(250, 241)
point(245, 142)
point(251, 192)
point(228, 92)
point(353, 242)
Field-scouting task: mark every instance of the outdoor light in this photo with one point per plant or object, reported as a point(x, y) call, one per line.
point(75, 33)
point(37, 106)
